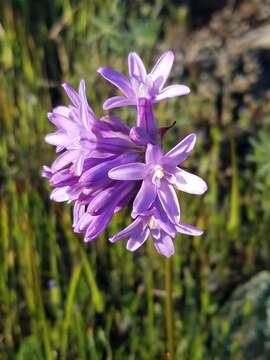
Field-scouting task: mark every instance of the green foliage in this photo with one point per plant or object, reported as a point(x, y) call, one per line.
point(61, 298)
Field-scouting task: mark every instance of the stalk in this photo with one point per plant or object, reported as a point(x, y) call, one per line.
point(169, 310)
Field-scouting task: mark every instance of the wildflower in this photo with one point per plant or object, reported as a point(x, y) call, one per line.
point(100, 166)
point(160, 175)
point(158, 225)
point(142, 85)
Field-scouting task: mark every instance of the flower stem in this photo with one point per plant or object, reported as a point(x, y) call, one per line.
point(169, 310)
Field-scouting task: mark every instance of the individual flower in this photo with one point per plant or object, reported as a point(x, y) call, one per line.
point(142, 85)
point(156, 224)
point(160, 175)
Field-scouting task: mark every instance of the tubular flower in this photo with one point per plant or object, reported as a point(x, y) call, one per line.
point(142, 85)
point(99, 158)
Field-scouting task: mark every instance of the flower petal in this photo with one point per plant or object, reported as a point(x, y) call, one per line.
point(181, 151)
point(188, 229)
point(145, 198)
point(164, 245)
point(162, 68)
point(60, 194)
point(189, 183)
point(98, 224)
point(153, 154)
point(131, 171)
point(135, 241)
point(134, 227)
point(72, 94)
point(171, 92)
point(118, 80)
point(57, 138)
point(169, 201)
point(136, 67)
point(64, 159)
point(118, 101)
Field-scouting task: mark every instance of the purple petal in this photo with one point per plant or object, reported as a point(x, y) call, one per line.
point(118, 101)
point(97, 225)
point(131, 171)
point(153, 154)
point(164, 245)
point(181, 151)
point(188, 229)
point(135, 227)
point(189, 183)
point(140, 136)
point(162, 68)
point(115, 124)
point(136, 240)
point(136, 67)
point(169, 201)
point(171, 92)
point(72, 94)
point(145, 198)
point(146, 118)
point(118, 80)
point(99, 173)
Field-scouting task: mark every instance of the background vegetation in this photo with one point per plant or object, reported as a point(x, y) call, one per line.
point(61, 298)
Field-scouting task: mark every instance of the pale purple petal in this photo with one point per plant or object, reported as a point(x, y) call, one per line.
point(171, 92)
point(62, 122)
point(145, 198)
point(60, 194)
point(136, 67)
point(181, 151)
point(137, 239)
point(78, 165)
point(118, 101)
point(72, 94)
point(164, 245)
point(62, 111)
point(57, 138)
point(188, 229)
point(169, 201)
point(118, 80)
point(78, 211)
point(131, 171)
point(64, 159)
point(162, 68)
point(86, 119)
point(135, 227)
point(189, 183)
point(153, 154)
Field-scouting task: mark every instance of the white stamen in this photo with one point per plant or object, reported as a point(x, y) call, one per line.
point(152, 223)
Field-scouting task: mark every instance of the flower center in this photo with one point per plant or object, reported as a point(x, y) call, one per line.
point(152, 223)
point(159, 173)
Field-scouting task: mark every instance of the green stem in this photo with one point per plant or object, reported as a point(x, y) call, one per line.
point(169, 309)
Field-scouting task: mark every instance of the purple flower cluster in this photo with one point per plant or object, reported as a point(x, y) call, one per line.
point(103, 164)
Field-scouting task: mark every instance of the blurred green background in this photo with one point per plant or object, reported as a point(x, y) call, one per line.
point(63, 299)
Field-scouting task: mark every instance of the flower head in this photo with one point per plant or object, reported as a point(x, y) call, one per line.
point(103, 164)
point(142, 85)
